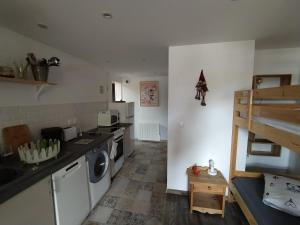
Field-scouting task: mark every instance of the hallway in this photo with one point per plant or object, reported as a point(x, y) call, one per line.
point(137, 195)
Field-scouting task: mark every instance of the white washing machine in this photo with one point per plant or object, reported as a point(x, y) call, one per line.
point(98, 173)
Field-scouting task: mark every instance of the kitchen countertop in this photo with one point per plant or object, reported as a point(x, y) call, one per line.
point(126, 125)
point(30, 174)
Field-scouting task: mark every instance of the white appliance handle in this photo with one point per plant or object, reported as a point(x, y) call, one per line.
point(71, 169)
point(118, 139)
point(68, 172)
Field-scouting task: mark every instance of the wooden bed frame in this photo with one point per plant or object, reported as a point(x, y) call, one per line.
point(245, 107)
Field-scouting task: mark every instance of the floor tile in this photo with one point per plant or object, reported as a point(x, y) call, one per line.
point(141, 207)
point(138, 195)
point(109, 201)
point(148, 186)
point(120, 182)
point(137, 177)
point(92, 223)
point(153, 221)
point(144, 196)
point(101, 214)
point(142, 169)
point(125, 204)
point(119, 217)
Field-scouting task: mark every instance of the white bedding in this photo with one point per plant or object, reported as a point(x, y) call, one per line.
point(282, 193)
point(295, 129)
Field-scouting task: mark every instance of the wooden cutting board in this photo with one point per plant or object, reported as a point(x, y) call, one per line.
point(15, 136)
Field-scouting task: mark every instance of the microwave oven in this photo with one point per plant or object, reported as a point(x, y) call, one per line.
point(108, 118)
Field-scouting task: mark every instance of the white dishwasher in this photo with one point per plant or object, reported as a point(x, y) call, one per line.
point(71, 194)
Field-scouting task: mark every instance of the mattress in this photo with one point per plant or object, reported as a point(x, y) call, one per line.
point(251, 190)
point(292, 128)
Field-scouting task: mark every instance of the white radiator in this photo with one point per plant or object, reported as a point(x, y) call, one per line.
point(149, 132)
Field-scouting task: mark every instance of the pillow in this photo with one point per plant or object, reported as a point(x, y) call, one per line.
point(282, 193)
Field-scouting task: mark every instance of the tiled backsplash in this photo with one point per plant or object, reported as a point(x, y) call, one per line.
point(41, 116)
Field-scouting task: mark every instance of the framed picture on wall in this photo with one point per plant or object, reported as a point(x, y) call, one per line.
point(149, 93)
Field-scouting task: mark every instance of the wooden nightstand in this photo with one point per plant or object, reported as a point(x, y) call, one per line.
point(207, 193)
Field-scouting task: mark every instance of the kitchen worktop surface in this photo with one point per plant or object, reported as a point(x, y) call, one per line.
point(125, 125)
point(30, 174)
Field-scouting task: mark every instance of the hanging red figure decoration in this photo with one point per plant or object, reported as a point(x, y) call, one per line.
point(201, 88)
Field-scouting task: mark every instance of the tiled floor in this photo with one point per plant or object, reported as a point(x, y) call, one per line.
point(137, 195)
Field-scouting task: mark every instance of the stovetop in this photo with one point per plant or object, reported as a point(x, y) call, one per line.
point(84, 141)
point(105, 130)
point(108, 129)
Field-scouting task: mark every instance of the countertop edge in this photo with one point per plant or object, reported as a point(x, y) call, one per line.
point(15, 187)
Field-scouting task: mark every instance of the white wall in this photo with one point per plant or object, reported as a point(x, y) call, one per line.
point(206, 131)
point(77, 80)
point(131, 93)
point(36, 117)
point(76, 96)
point(277, 61)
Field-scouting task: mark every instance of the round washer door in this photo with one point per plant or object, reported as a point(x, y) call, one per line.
point(100, 167)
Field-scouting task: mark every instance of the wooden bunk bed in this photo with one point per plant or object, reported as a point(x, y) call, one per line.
point(253, 113)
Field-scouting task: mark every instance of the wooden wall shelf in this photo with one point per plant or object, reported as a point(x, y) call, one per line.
point(40, 85)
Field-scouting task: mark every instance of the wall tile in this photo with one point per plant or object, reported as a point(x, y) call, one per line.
point(41, 116)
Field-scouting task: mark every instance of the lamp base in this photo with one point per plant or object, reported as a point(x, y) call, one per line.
point(212, 173)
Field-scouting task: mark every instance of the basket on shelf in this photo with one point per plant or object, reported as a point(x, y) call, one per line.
point(39, 151)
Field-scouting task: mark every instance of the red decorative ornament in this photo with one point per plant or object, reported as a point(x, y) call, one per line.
point(196, 170)
point(201, 88)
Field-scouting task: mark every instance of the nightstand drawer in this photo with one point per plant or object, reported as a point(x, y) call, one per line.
point(208, 188)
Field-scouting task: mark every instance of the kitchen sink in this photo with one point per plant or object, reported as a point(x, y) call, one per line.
point(8, 174)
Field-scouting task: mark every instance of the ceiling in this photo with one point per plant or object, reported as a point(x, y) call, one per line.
point(136, 40)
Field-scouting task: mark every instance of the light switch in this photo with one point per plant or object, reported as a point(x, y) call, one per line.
point(101, 89)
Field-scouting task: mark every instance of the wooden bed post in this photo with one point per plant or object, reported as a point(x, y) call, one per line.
point(244, 109)
point(234, 140)
point(250, 100)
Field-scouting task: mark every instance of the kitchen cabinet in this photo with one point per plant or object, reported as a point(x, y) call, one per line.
point(128, 141)
point(33, 206)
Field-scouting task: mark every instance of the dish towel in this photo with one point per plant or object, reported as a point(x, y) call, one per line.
point(113, 151)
